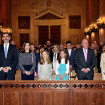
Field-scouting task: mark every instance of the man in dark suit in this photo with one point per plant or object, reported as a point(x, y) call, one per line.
point(70, 54)
point(85, 61)
point(8, 59)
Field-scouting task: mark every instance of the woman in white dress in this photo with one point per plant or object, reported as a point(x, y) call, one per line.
point(102, 63)
point(45, 67)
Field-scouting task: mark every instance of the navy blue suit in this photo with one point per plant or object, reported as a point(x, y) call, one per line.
point(71, 57)
point(10, 61)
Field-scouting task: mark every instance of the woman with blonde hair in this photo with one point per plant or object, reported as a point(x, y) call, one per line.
point(54, 55)
point(45, 66)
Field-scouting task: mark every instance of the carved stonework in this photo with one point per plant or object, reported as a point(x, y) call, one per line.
point(48, 3)
point(49, 16)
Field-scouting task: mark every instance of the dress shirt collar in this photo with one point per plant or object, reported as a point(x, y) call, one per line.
point(7, 45)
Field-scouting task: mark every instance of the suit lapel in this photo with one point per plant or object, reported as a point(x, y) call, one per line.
point(3, 51)
point(88, 54)
point(9, 49)
point(68, 53)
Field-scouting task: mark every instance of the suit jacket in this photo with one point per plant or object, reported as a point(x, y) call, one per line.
point(12, 57)
point(37, 58)
point(51, 56)
point(81, 63)
point(71, 57)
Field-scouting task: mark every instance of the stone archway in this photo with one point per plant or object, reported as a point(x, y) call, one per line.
point(51, 19)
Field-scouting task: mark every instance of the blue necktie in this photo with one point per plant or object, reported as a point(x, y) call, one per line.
point(5, 51)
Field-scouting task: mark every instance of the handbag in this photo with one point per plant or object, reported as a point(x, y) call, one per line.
point(35, 73)
point(27, 67)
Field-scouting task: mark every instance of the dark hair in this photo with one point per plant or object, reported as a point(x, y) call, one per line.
point(59, 59)
point(32, 44)
point(9, 34)
point(48, 40)
point(68, 42)
point(74, 47)
point(41, 47)
point(23, 50)
point(11, 41)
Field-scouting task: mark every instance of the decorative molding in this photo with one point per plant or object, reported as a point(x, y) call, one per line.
point(48, 11)
point(35, 85)
point(75, 85)
point(48, 3)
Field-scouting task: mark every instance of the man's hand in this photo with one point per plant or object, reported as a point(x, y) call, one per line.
point(4, 69)
point(8, 68)
point(70, 66)
point(85, 70)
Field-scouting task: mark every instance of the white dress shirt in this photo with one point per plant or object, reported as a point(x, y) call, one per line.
point(62, 62)
point(69, 51)
point(54, 60)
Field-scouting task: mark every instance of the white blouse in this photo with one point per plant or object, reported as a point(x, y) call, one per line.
point(62, 62)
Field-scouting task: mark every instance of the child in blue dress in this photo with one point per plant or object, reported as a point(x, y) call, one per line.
point(62, 67)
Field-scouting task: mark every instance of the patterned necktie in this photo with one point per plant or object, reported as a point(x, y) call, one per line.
point(85, 54)
point(5, 51)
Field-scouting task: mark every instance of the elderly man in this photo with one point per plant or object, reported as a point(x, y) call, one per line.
point(85, 61)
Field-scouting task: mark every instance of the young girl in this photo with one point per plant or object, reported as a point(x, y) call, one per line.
point(62, 67)
point(44, 67)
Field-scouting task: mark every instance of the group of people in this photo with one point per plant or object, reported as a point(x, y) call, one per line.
point(47, 59)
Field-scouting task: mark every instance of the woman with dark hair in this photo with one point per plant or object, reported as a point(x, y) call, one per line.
point(62, 67)
point(27, 62)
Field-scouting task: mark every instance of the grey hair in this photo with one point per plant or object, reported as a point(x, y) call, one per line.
point(83, 40)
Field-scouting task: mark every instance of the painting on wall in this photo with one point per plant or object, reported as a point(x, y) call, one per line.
point(75, 22)
point(24, 22)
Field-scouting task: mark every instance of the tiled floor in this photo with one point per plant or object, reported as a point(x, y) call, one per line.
point(97, 76)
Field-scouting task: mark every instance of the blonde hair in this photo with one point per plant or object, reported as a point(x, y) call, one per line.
point(42, 59)
point(56, 46)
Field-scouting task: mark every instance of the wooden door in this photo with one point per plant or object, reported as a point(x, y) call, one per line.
point(43, 34)
point(55, 32)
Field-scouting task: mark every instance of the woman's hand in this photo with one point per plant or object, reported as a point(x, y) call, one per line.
point(27, 73)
